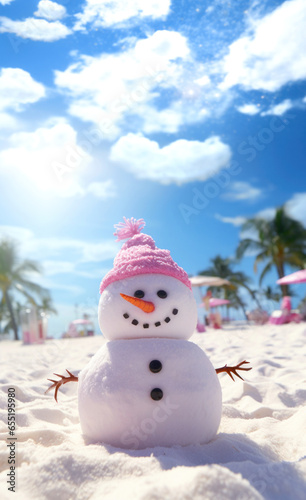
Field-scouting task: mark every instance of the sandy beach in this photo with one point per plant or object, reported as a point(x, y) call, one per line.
point(259, 451)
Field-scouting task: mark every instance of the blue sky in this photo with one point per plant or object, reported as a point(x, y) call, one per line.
point(190, 115)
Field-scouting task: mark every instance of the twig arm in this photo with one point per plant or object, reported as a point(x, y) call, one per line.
point(232, 369)
point(63, 380)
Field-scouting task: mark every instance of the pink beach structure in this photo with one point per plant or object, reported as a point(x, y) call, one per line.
point(33, 326)
point(290, 279)
point(215, 302)
point(80, 328)
point(215, 319)
point(285, 315)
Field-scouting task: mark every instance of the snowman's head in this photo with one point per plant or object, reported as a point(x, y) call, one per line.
point(152, 305)
point(146, 294)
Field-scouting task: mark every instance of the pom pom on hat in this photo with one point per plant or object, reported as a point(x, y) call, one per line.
point(128, 228)
point(139, 255)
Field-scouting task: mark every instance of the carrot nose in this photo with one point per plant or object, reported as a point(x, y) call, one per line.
point(147, 307)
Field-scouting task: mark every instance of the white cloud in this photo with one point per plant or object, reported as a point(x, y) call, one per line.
point(52, 267)
point(50, 157)
point(97, 252)
point(35, 29)
point(52, 284)
point(103, 190)
point(113, 12)
point(279, 109)
point(6, 2)
point(266, 213)
point(169, 120)
point(248, 109)
point(16, 232)
point(55, 267)
point(94, 273)
point(296, 207)
point(274, 55)
point(106, 88)
point(54, 249)
point(7, 122)
point(119, 91)
point(51, 11)
point(18, 88)
point(203, 81)
point(235, 221)
point(178, 162)
point(242, 191)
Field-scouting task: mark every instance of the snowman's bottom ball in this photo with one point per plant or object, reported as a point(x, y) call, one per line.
point(149, 392)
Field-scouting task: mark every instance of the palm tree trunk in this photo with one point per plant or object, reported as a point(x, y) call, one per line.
point(281, 274)
point(254, 297)
point(244, 311)
point(11, 312)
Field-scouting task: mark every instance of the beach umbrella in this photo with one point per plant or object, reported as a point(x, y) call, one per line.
point(215, 302)
point(208, 281)
point(297, 277)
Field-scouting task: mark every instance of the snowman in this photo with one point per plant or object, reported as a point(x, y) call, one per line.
point(148, 385)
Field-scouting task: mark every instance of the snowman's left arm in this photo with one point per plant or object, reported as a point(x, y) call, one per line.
point(232, 369)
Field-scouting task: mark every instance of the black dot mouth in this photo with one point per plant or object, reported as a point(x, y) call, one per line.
point(167, 319)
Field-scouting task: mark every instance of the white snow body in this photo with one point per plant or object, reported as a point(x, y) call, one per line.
point(115, 402)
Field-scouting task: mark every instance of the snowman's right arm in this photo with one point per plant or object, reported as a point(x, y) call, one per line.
point(63, 380)
point(232, 369)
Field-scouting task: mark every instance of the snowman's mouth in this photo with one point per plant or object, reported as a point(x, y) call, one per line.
point(156, 324)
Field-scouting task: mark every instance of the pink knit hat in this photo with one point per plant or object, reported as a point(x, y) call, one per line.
point(139, 255)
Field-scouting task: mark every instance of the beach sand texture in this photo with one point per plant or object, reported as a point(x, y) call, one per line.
point(259, 451)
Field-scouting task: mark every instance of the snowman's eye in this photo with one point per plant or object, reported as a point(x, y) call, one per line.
point(139, 294)
point(162, 294)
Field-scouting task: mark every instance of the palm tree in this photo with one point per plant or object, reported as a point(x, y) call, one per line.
point(279, 241)
point(236, 301)
point(13, 276)
point(271, 294)
point(4, 318)
point(223, 269)
point(46, 306)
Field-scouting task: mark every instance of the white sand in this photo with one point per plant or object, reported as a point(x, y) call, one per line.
point(258, 453)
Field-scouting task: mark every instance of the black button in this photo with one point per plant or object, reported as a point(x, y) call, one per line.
point(167, 319)
point(156, 394)
point(134, 322)
point(175, 311)
point(158, 323)
point(155, 366)
point(146, 325)
point(126, 315)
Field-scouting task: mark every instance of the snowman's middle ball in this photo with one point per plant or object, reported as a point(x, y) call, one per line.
point(174, 315)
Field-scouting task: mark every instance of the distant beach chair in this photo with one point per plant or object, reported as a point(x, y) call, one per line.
point(215, 320)
point(258, 316)
point(201, 327)
point(33, 326)
point(285, 315)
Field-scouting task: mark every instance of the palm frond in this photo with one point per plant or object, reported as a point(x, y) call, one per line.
point(32, 287)
point(28, 266)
